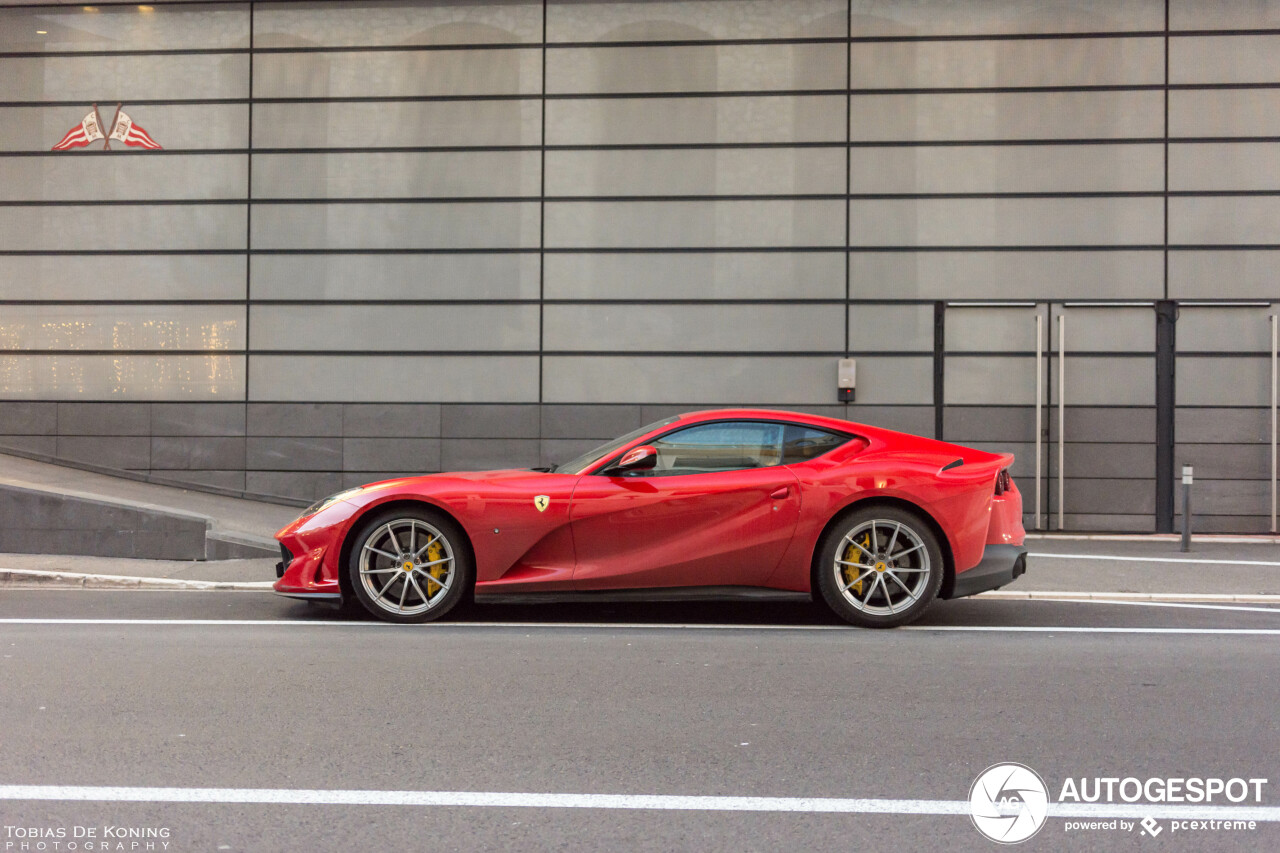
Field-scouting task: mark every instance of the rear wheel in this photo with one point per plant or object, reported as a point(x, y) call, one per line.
point(410, 565)
point(880, 567)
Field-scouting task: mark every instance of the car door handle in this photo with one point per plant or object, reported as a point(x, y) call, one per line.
point(779, 494)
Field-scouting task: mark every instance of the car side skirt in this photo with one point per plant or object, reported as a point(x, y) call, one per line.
point(683, 593)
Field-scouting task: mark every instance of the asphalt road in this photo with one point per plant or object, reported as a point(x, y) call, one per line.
point(730, 700)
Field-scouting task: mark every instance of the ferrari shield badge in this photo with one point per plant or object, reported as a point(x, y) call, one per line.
point(541, 502)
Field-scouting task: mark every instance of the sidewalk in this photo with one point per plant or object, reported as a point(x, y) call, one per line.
point(1145, 566)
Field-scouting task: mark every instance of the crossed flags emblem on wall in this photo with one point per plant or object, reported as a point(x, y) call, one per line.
point(91, 129)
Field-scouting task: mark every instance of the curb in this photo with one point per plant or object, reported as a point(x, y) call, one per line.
point(1163, 597)
point(30, 579)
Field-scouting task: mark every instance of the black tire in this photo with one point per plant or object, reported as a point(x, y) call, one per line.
point(890, 589)
point(441, 569)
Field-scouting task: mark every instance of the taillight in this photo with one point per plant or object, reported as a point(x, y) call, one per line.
point(1003, 482)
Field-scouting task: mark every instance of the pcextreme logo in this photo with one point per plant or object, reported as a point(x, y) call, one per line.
point(90, 129)
point(1008, 803)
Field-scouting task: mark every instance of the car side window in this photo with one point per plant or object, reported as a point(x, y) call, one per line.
point(805, 443)
point(726, 446)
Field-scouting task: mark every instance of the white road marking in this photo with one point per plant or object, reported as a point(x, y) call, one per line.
point(656, 802)
point(1236, 608)
point(653, 626)
point(1202, 562)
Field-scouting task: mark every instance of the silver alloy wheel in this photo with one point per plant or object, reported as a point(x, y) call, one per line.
point(406, 566)
point(882, 567)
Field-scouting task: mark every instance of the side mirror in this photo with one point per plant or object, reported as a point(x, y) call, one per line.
point(642, 458)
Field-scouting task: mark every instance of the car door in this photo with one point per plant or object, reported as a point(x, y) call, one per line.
point(718, 509)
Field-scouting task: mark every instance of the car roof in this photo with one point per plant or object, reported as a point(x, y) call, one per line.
point(767, 415)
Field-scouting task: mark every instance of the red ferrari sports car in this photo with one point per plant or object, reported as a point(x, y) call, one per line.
point(729, 502)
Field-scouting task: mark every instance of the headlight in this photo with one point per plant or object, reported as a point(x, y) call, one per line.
point(325, 503)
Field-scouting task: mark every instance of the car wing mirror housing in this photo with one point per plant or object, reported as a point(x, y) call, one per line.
point(642, 458)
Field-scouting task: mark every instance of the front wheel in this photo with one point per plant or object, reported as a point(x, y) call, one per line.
point(409, 565)
point(880, 567)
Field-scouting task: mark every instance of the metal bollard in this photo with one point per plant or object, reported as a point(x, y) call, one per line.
point(1186, 508)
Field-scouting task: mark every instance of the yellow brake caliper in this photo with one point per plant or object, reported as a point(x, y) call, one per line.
point(435, 551)
point(851, 555)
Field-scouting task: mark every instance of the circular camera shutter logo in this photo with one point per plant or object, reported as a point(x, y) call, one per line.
point(1008, 803)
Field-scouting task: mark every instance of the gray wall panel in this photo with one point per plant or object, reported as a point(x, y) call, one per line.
point(407, 455)
point(737, 379)
point(588, 421)
point(1006, 222)
point(197, 452)
point(194, 419)
point(108, 79)
point(397, 175)
point(306, 419)
point(706, 328)
point(479, 225)
point(1012, 275)
point(694, 223)
point(1106, 381)
point(944, 17)
point(1006, 115)
point(1224, 220)
point(701, 275)
point(484, 454)
point(488, 421)
point(130, 453)
point(700, 68)
point(1236, 274)
point(1200, 381)
point(966, 424)
point(1129, 425)
point(1224, 166)
point(32, 418)
point(175, 126)
point(1001, 63)
point(395, 379)
point(393, 328)
point(139, 227)
point(104, 419)
point(974, 328)
point(138, 277)
point(122, 327)
point(734, 171)
point(1198, 15)
point(1224, 112)
point(989, 380)
point(163, 27)
point(395, 23)
point(405, 123)
point(397, 277)
point(121, 377)
point(890, 328)
point(1109, 329)
point(397, 73)
point(1109, 496)
point(763, 118)
point(700, 19)
point(414, 420)
point(308, 485)
point(1007, 169)
point(1224, 59)
point(293, 453)
point(1215, 426)
point(123, 178)
point(1239, 329)
point(1225, 461)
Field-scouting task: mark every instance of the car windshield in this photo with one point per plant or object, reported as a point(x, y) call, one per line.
point(586, 460)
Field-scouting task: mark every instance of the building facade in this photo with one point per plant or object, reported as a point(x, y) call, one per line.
point(395, 237)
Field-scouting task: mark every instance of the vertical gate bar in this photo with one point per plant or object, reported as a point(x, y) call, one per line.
point(1040, 410)
point(1166, 403)
point(1275, 393)
point(1062, 411)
